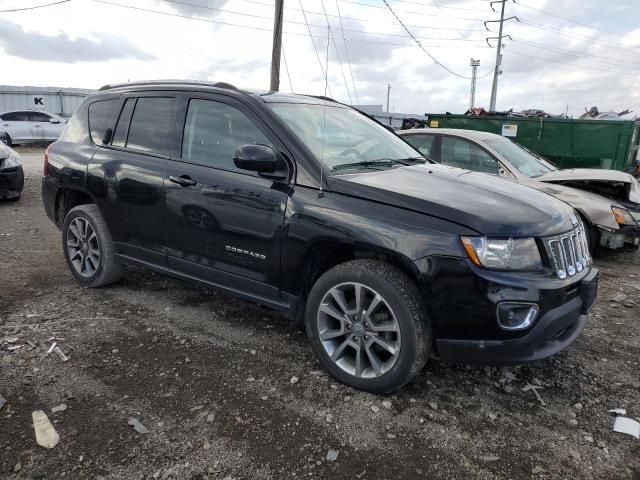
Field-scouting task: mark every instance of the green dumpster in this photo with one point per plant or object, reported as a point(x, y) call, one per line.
point(569, 143)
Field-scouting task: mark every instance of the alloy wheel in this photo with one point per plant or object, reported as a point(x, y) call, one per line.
point(358, 330)
point(83, 247)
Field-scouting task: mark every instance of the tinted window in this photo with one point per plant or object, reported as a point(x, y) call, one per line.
point(38, 117)
point(150, 124)
point(16, 117)
point(122, 128)
point(423, 143)
point(213, 132)
point(99, 117)
point(464, 154)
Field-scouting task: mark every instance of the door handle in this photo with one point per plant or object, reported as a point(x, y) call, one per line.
point(6, 125)
point(37, 126)
point(183, 180)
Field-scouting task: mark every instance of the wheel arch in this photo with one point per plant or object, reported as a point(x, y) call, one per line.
point(68, 198)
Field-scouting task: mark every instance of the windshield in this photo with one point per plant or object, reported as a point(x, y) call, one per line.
point(343, 138)
point(523, 160)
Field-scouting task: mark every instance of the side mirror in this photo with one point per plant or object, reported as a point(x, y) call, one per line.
point(54, 120)
point(261, 159)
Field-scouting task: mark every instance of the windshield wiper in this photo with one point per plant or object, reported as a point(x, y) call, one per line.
point(376, 163)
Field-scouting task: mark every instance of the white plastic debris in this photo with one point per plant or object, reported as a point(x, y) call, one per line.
point(628, 426)
point(3, 401)
point(61, 355)
point(59, 408)
point(137, 426)
point(46, 435)
point(535, 389)
point(618, 411)
point(53, 345)
point(332, 455)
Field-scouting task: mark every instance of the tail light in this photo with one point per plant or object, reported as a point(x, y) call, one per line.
point(45, 167)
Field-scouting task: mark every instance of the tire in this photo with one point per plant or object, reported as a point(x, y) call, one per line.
point(398, 320)
point(6, 139)
point(90, 258)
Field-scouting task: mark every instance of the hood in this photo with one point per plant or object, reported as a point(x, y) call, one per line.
point(489, 205)
point(613, 184)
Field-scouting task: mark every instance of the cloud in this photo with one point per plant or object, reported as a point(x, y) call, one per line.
point(63, 49)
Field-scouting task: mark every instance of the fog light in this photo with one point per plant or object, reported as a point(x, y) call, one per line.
point(516, 316)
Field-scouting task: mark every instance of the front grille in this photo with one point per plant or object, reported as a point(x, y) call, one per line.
point(569, 252)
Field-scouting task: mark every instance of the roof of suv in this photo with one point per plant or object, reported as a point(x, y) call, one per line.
point(265, 95)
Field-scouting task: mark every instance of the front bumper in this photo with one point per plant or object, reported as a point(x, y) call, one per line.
point(462, 306)
point(627, 236)
point(551, 334)
point(11, 182)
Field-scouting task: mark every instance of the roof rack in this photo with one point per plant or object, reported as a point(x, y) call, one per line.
point(322, 97)
point(225, 85)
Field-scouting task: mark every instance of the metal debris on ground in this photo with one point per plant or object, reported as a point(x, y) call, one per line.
point(628, 426)
point(137, 426)
point(332, 455)
point(53, 345)
point(535, 389)
point(46, 435)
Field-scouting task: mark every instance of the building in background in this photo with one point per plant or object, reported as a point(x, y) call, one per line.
point(58, 100)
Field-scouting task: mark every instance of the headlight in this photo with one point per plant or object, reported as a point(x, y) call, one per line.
point(623, 217)
point(12, 161)
point(503, 254)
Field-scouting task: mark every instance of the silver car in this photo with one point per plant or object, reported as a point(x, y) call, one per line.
point(30, 126)
point(607, 200)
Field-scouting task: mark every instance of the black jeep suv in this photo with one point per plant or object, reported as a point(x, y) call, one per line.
point(312, 208)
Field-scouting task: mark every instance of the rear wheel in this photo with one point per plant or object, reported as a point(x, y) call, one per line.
point(88, 247)
point(367, 325)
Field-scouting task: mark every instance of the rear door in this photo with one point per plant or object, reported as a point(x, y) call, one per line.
point(126, 175)
point(463, 153)
point(223, 224)
point(39, 123)
point(16, 124)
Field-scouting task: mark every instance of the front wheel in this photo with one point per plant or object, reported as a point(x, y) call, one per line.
point(88, 247)
point(367, 325)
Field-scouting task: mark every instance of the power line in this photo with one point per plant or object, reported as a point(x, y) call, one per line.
point(411, 12)
point(180, 2)
point(324, 74)
point(575, 22)
point(605, 60)
point(264, 29)
point(635, 74)
point(346, 84)
point(435, 60)
point(346, 49)
point(34, 7)
point(286, 67)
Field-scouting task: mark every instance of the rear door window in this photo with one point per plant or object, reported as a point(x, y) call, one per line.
point(16, 117)
point(100, 114)
point(461, 153)
point(422, 143)
point(150, 124)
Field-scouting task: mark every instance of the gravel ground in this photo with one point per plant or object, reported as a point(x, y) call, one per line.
point(212, 379)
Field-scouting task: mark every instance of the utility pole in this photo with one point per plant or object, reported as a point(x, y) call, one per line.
point(277, 46)
point(474, 73)
point(388, 95)
point(497, 70)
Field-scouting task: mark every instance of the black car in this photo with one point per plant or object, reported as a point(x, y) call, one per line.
point(11, 174)
point(312, 208)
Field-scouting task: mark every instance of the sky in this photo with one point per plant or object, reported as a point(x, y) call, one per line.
point(560, 57)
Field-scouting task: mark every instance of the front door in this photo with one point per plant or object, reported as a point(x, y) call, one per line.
point(39, 123)
point(223, 224)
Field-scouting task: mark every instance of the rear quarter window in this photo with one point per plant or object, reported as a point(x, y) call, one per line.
point(100, 115)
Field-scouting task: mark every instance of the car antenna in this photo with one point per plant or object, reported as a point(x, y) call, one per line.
point(324, 114)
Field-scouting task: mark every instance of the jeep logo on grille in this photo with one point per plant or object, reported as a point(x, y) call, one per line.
point(242, 251)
